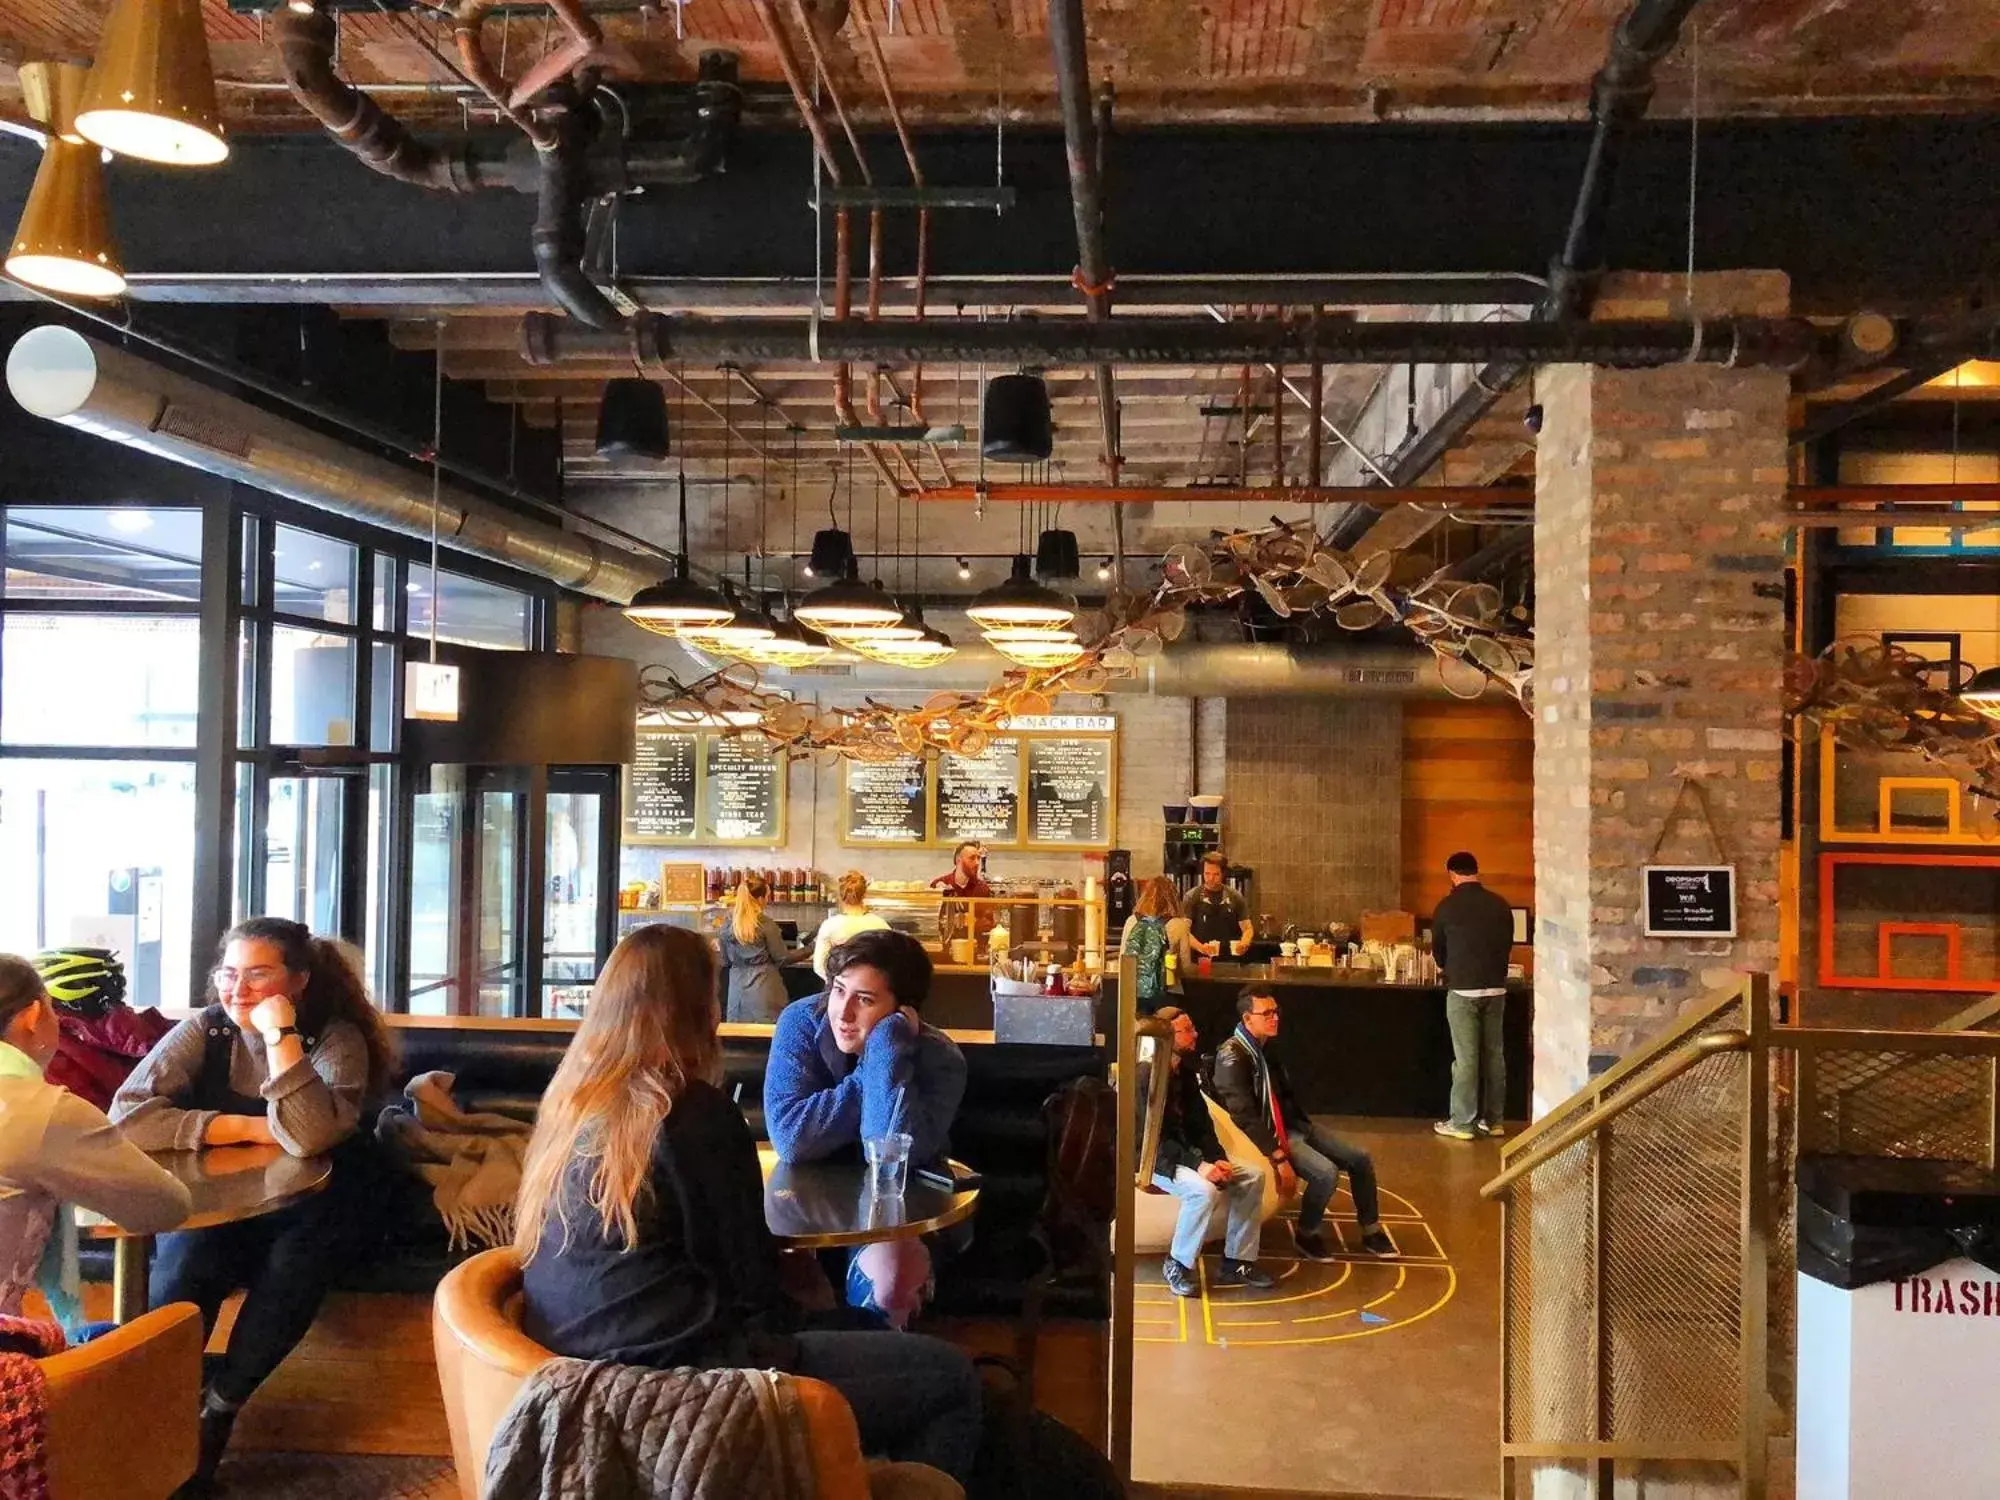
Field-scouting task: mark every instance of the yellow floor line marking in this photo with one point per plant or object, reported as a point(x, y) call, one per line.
point(1402, 1276)
point(1451, 1289)
point(1253, 1323)
point(1207, 1318)
point(1346, 1270)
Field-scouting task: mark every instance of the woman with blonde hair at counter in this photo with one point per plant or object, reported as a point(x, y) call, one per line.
point(752, 950)
point(850, 917)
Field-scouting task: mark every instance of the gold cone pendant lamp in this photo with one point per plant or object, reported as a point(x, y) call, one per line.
point(152, 91)
point(63, 243)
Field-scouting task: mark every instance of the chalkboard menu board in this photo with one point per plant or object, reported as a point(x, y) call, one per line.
point(660, 787)
point(742, 793)
point(1070, 791)
point(885, 802)
point(979, 797)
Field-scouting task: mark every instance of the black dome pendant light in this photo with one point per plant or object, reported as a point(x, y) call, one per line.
point(632, 420)
point(677, 603)
point(1016, 425)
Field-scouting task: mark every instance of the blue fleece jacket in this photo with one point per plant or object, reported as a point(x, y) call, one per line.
point(818, 1100)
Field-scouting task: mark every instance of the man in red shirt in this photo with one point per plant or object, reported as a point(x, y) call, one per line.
point(964, 879)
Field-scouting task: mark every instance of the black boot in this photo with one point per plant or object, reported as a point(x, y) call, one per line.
point(217, 1421)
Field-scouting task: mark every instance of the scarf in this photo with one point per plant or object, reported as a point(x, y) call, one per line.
point(1264, 1092)
point(59, 1277)
point(24, 1405)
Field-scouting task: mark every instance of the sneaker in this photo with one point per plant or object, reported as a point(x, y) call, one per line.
point(1488, 1129)
point(1244, 1273)
point(1377, 1242)
point(1453, 1132)
point(1313, 1244)
point(1180, 1280)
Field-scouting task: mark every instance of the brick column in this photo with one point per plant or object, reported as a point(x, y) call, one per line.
point(1659, 634)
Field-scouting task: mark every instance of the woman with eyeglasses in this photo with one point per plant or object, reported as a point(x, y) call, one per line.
point(288, 1053)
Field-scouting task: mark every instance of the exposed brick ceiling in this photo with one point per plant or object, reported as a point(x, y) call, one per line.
point(1216, 60)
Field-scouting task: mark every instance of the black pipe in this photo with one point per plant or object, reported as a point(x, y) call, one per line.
point(559, 233)
point(1782, 342)
point(1082, 145)
point(1619, 97)
point(378, 138)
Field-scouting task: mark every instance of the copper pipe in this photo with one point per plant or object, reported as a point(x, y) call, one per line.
point(832, 90)
point(585, 38)
point(788, 64)
point(466, 26)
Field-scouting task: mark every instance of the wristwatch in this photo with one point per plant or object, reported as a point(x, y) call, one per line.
point(274, 1036)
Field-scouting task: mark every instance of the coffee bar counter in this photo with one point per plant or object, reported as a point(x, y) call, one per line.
point(1358, 1046)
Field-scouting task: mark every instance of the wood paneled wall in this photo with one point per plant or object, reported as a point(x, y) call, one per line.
point(1468, 783)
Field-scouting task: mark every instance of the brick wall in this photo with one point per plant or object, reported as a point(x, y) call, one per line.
point(1314, 806)
point(1659, 585)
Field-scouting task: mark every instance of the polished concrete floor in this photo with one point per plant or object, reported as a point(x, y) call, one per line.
point(1353, 1377)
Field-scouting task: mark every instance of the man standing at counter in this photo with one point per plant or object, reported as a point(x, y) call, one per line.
point(965, 878)
point(1216, 913)
point(1253, 1086)
point(1472, 937)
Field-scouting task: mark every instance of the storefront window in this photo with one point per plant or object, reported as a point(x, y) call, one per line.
point(312, 688)
point(312, 576)
point(101, 554)
point(473, 612)
point(101, 854)
point(99, 680)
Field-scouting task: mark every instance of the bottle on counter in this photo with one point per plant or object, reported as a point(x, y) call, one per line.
point(1173, 970)
point(1052, 982)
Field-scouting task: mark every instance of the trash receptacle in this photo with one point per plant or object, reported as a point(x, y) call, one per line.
point(1898, 1329)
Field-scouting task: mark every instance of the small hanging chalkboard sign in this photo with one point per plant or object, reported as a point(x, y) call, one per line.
point(1689, 901)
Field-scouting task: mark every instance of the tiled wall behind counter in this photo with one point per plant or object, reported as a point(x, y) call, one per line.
point(1315, 804)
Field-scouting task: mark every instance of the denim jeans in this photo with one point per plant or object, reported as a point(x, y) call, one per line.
point(915, 1399)
point(1478, 1057)
point(282, 1261)
point(1317, 1156)
point(1199, 1200)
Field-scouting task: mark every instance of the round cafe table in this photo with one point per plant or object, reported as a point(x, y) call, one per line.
point(228, 1184)
point(823, 1205)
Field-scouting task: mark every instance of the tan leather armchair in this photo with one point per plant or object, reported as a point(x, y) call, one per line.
point(123, 1409)
point(483, 1358)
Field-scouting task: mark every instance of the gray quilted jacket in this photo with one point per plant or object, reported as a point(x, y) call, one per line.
point(590, 1430)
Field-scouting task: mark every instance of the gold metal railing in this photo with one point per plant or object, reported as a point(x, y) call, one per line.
point(1649, 1249)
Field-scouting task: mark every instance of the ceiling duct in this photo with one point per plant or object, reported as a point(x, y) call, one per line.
point(1187, 669)
point(58, 373)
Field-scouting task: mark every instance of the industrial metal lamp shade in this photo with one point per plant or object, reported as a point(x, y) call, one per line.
point(847, 605)
point(63, 243)
point(791, 644)
point(151, 93)
point(832, 553)
point(679, 605)
point(927, 650)
point(746, 628)
point(1021, 601)
point(1982, 694)
point(1016, 426)
point(875, 632)
point(632, 420)
point(1056, 556)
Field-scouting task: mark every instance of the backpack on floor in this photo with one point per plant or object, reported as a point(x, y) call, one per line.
point(1025, 1454)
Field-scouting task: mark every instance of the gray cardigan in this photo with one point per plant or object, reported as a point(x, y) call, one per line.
point(312, 1106)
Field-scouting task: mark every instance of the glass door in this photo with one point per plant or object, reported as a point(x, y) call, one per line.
point(580, 884)
point(466, 925)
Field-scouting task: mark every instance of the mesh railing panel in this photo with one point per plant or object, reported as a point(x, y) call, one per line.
point(1781, 1247)
point(1673, 1258)
point(1548, 1302)
point(1902, 1104)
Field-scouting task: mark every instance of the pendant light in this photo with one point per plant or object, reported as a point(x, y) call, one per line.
point(1040, 653)
point(1015, 423)
point(1021, 601)
point(899, 628)
point(63, 243)
point(1056, 557)
point(847, 605)
point(1982, 694)
point(791, 644)
point(747, 626)
point(151, 93)
point(632, 420)
point(930, 647)
point(678, 604)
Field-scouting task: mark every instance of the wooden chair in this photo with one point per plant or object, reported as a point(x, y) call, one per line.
point(124, 1409)
point(483, 1358)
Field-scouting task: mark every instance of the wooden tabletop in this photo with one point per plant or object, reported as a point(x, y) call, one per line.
point(827, 1205)
point(229, 1183)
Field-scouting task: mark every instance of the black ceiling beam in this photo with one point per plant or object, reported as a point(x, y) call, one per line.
point(1878, 211)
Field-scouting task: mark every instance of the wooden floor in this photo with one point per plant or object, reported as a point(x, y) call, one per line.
point(365, 1379)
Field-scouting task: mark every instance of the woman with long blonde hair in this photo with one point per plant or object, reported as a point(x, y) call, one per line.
point(752, 950)
point(641, 1228)
point(849, 917)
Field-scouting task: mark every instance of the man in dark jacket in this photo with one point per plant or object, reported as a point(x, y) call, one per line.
point(1252, 1086)
point(1192, 1166)
point(1472, 937)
